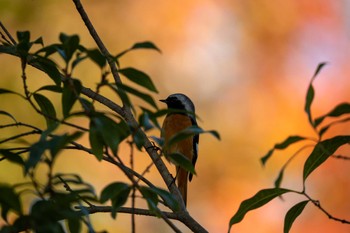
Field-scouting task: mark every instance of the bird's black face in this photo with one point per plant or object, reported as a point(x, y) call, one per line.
point(174, 103)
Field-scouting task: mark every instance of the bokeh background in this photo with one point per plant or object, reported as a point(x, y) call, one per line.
point(245, 63)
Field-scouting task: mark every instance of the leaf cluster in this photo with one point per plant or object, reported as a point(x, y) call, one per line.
point(65, 196)
point(323, 149)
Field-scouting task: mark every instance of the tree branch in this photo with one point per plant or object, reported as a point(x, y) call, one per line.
point(127, 114)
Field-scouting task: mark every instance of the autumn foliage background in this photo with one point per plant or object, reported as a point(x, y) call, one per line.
point(245, 64)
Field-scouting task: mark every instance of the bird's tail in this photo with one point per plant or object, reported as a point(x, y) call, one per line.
point(182, 177)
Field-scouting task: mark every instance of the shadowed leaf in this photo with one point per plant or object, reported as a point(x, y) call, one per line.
point(280, 146)
point(292, 214)
point(321, 152)
point(259, 199)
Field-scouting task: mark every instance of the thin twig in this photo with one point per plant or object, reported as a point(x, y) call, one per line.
point(133, 224)
point(20, 135)
point(343, 157)
point(318, 205)
point(8, 34)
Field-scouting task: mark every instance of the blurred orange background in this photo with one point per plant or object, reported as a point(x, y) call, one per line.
point(245, 64)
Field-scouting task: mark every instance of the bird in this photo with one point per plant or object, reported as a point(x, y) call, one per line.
point(183, 117)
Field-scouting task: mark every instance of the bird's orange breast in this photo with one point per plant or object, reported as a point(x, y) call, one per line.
point(173, 124)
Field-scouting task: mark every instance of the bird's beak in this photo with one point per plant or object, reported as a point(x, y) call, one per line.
point(164, 101)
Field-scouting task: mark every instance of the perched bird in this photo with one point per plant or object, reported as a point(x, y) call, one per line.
point(173, 123)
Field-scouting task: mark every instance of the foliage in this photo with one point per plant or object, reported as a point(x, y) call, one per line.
point(67, 196)
point(323, 149)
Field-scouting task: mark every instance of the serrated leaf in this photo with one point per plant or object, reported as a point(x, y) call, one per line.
point(292, 214)
point(259, 199)
point(47, 109)
point(282, 145)
point(343, 108)
point(139, 78)
point(8, 114)
point(181, 160)
point(321, 152)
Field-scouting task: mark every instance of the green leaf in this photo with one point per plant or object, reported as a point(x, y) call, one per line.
point(189, 132)
point(49, 67)
point(321, 152)
point(96, 141)
point(118, 193)
point(278, 181)
point(145, 45)
point(9, 200)
point(71, 92)
point(96, 56)
point(311, 93)
point(181, 160)
point(23, 45)
point(8, 114)
point(57, 143)
point(152, 199)
point(35, 153)
point(74, 225)
point(23, 36)
point(111, 132)
point(145, 97)
point(280, 146)
point(112, 190)
point(5, 91)
point(13, 157)
point(8, 49)
point(69, 44)
point(259, 199)
point(39, 41)
point(168, 198)
point(139, 78)
point(47, 109)
point(139, 45)
point(343, 108)
point(121, 93)
point(52, 88)
point(292, 214)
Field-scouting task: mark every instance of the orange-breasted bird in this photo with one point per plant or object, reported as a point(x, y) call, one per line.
point(173, 123)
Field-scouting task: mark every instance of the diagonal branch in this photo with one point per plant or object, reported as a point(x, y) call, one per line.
point(127, 114)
